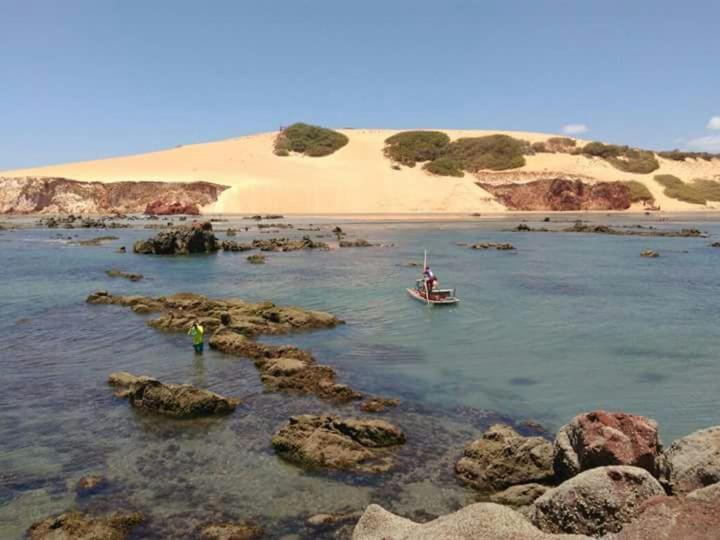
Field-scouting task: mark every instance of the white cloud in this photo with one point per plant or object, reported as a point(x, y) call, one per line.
point(710, 143)
point(575, 129)
point(714, 123)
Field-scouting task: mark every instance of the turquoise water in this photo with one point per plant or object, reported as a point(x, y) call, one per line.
point(565, 323)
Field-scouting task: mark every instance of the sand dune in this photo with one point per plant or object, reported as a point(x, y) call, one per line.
point(355, 179)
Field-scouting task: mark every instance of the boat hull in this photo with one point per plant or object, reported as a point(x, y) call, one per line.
point(440, 302)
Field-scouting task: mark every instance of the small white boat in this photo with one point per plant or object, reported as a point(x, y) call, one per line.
point(439, 297)
point(436, 297)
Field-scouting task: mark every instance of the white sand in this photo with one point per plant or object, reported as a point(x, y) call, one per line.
point(355, 179)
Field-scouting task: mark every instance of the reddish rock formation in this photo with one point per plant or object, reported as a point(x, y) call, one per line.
point(164, 208)
point(26, 195)
point(601, 438)
point(561, 194)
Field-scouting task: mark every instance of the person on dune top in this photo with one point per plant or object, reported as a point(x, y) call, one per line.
point(198, 333)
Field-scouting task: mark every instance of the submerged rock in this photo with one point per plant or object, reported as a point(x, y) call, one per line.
point(197, 238)
point(595, 502)
point(90, 484)
point(331, 521)
point(338, 443)
point(480, 521)
point(98, 241)
point(502, 458)
point(601, 438)
point(256, 259)
point(127, 275)
point(178, 400)
point(78, 526)
point(378, 404)
point(692, 462)
point(649, 253)
point(231, 531)
point(231, 245)
point(488, 245)
point(286, 244)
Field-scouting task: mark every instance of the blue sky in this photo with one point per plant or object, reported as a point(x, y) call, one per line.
point(84, 79)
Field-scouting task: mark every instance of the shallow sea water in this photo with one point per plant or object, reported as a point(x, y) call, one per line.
point(564, 324)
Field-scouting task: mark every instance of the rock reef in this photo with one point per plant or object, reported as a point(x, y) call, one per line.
point(338, 443)
point(177, 400)
point(79, 526)
point(195, 238)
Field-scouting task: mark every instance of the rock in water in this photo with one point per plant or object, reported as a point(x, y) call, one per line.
point(595, 502)
point(338, 443)
point(256, 259)
point(673, 518)
point(504, 458)
point(178, 400)
point(378, 404)
point(197, 238)
point(649, 253)
point(354, 243)
point(127, 275)
point(480, 521)
point(78, 526)
point(90, 484)
point(601, 438)
point(165, 208)
point(231, 531)
point(693, 461)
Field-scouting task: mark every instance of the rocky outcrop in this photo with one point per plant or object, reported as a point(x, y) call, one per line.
point(637, 230)
point(286, 244)
point(601, 438)
point(233, 325)
point(595, 502)
point(196, 238)
point(692, 462)
point(481, 521)
point(493, 245)
point(521, 495)
point(230, 245)
point(178, 400)
point(164, 208)
point(354, 243)
point(26, 195)
point(502, 458)
point(338, 443)
point(378, 404)
point(561, 194)
point(709, 494)
point(113, 272)
point(231, 531)
point(673, 518)
point(78, 526)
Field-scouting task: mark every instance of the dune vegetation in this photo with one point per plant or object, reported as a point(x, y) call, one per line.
point(699, 191)
point(444, 158)
point(313, 141)
point(624, 158)
point(555, 144)
point(639, 192)
point(678, 155)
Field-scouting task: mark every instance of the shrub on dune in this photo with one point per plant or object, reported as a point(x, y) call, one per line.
point(675, 188)
point(444, 167)
point(639, 192)
point(624, 158)
point(494, 152)
point(410, 147)
point(314, 141)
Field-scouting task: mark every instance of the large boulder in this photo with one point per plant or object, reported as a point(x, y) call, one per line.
point(78, 526)
point(709, 493)
point(595, 502)
point(339, 443)
point(521, 495)
point(601, 438)
point(693, 461)
point(673, 518)
point(178, 400)
point(503, 458)
point(481, 521)
point(196, 238)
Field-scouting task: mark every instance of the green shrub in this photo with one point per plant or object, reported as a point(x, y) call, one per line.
point(677, 189)
point(409, 147)
point(555, 144)
point(710, 189)
point(624, 158)
point(494, 152)
point(677, 155)
point(562, 141)
point(444, 167)
point(314, 141)
point(639, 192)
point(540, 147)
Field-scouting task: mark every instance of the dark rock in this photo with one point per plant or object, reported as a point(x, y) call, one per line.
point(354, 243)
point(127, 275)
point(121, 249)
point(165, 208)
point(229, 245)
point(256, 259)
point(197, 238)
point(601, 438)
point(286, 244)
point(335, 443)
point(178, 400)
point(649, 253)
point(488, 245)
point(231, 232)
point(502, 458)
point(378, 404)
point(88, 485)
point(96, 241)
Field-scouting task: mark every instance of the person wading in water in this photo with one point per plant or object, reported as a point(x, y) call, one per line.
point(198, 334)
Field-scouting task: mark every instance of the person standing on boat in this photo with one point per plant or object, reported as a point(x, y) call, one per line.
point(198, 334)
point(430, 279)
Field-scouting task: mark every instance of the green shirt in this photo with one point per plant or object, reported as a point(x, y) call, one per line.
point(197, 333)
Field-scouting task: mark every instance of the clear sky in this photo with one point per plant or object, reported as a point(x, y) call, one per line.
point(83, 79)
